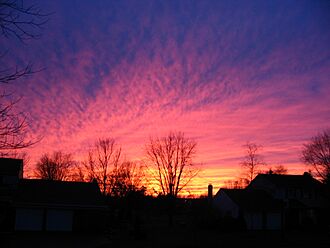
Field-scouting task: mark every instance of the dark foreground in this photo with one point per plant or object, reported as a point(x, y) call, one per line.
point(183, 237)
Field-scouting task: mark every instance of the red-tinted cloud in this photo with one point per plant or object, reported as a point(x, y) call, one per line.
point(221, 74)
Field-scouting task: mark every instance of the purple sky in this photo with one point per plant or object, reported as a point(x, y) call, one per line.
point(223, 72)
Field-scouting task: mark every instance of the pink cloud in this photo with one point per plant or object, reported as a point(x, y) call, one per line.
point(209, 85)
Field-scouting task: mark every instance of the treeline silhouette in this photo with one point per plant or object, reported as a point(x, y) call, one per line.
point(168, 163)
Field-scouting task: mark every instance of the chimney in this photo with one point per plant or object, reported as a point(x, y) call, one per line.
point(307, 174)
point(210, 193)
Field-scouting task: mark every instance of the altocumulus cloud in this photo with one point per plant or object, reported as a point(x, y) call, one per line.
point(223, 72)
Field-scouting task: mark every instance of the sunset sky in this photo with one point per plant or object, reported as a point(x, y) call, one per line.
point(222, 72)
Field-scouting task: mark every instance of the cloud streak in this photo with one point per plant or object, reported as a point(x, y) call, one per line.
point(222, 72)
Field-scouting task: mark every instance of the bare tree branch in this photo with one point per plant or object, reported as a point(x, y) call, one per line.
point(316, 154)
point(21, 22)
point(13, 128)
point(252, 161)
point(101, 161)
point(170, 159)
point(278, 170)
point(54, 167)
point(126, 178)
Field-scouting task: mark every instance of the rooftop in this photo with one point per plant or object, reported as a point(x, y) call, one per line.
point(295, 181)
point(59, 193)
point(10, 166)
point(254, 200)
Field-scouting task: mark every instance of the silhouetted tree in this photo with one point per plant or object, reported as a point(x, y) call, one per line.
point(238, 183)
point(126, 178)
point(22, 22)
point(13, 128)
point(252, 161)
point(78, 173)
point(102, 160)
point(316, 154)
point(18, 154)
point(54, 167)
point(278, 170)
point(170, 160)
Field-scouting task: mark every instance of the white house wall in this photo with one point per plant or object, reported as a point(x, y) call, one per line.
point(225, 205)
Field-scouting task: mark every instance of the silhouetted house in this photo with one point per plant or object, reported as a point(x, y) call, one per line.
point(271, 201)
point(42, 205)
point(11, 171)
point(302, 195)
point(256, 208)
point(58, 205)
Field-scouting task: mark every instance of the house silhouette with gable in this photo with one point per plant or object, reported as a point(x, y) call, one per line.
point(256, 208)
point(304, 198)
point(273, 201)
point(43, 205)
